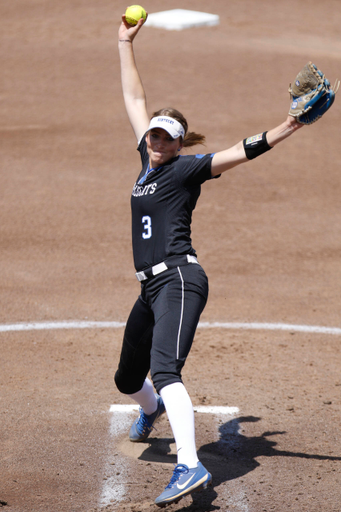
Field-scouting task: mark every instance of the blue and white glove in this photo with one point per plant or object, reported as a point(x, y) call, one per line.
point(311, 95)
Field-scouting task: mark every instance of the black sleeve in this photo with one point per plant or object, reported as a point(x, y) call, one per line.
point(194, 169)
point(142, 149)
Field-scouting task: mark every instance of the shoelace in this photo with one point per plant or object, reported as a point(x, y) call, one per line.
point(178, 471)
point(143, 423)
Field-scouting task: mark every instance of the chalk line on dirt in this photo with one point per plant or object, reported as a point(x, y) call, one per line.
point(85, 324)
point(114, 486)
point(205, 409)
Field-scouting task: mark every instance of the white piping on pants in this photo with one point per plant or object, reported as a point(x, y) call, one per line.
point(181, 314)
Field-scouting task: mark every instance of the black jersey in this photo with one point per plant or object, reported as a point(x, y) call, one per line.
point(162, 207)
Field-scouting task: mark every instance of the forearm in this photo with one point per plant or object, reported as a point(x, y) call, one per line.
point(131, 82)
point(282, 131)
point(133, 91)
point(253, 147)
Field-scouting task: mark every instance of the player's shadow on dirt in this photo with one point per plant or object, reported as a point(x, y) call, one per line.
point(231, 457)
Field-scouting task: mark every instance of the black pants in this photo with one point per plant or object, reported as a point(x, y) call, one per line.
point(161, 327)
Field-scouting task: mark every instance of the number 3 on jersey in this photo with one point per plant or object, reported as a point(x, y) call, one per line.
point(147, 224)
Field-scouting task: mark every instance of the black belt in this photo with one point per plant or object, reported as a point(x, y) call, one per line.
point(165, 265)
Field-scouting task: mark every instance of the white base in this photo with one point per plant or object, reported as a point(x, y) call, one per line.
point(179, 19)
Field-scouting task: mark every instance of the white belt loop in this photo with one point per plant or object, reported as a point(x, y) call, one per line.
point(141, 276)
point(192, 259)
point(160, 267)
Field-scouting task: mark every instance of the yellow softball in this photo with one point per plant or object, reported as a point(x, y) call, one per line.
point(134, 13)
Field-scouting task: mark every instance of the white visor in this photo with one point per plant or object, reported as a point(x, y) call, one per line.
point(169, 124)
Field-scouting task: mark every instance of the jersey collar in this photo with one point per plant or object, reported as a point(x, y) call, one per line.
point(148, 171)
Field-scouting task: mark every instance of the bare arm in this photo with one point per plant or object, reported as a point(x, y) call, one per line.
point(224, 160)
point(283, 131)
point(133, 91)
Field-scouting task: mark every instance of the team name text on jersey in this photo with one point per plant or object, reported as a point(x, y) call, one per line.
point(139, 191)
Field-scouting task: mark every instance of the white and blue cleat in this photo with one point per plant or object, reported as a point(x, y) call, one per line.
point(142, 427)
point(184, 481)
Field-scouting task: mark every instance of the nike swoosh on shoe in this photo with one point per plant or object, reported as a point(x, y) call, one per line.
point(182, 486)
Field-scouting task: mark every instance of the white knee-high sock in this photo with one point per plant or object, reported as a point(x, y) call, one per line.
point(181, 417)
point(146, 397)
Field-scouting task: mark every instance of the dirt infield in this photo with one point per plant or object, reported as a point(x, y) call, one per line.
point(268, 235)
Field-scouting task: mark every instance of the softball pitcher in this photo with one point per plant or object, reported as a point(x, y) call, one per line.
point(174, 287)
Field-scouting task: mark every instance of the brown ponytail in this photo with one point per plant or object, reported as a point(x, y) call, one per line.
point(191, 138)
